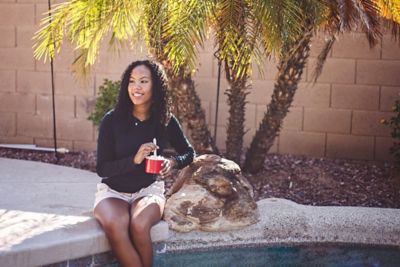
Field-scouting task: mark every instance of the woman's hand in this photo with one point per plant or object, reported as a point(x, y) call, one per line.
point(144, 150)
point(168, 166)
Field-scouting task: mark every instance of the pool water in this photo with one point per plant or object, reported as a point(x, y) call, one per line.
point(316, 255)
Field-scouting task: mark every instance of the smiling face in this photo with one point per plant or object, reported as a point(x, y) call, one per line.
point(141, 87)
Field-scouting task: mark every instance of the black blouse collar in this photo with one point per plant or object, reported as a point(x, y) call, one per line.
point(137, 122)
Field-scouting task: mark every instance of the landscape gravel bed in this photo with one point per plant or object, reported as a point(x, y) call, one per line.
point(304, 180)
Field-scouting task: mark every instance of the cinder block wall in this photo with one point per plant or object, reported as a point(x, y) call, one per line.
point(337, 117)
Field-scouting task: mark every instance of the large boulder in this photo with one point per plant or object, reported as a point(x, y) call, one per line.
point(211, 194)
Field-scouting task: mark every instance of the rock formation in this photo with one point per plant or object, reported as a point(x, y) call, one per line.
point(211, 194)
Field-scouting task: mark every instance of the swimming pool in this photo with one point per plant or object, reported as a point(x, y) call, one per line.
point(307, 255)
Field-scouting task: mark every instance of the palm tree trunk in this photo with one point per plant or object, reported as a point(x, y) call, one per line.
point(188, 108)
point(290, 70)
point(236, 100)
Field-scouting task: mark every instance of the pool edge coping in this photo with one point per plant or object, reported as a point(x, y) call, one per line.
point(281, 222)
point(286, 222)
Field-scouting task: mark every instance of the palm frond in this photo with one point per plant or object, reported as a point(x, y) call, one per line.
point(236, 37)
point(346, 11)
point(185, 29)
point(94, 19)
point(49, 38)
point(280, 22)
point(352, 13)
point(155, 16)
point(389, 9)
point(85, 24)
point(323, 56)
point(368, 14)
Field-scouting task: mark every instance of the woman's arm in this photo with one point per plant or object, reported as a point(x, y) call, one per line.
point(179, 142)
point(107, 165)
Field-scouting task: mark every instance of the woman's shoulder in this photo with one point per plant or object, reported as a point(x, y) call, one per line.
point(110, 114)
point(173, 120)
point(108, 117)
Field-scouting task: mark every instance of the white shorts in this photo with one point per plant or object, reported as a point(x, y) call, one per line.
point(155, 190)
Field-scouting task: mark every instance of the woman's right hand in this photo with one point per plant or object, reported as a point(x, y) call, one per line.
point(144, 150)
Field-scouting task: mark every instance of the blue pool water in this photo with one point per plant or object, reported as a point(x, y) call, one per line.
point(316, 255)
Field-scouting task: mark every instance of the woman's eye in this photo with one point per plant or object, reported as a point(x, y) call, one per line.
point(140, 81)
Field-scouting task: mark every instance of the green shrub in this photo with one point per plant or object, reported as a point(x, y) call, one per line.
point(105, 101)
point(394, 123)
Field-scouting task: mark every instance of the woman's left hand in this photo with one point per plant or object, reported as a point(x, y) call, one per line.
point(168, 165)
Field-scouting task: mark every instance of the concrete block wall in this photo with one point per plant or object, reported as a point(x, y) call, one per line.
point(25, 84)
point(337, 117)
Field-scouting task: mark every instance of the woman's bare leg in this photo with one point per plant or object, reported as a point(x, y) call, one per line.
point(145, 213)
point(114, 216)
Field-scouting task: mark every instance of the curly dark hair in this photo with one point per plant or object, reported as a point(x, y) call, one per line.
point(161, 107)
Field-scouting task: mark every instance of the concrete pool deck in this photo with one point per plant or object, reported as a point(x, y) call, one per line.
point(45, 218)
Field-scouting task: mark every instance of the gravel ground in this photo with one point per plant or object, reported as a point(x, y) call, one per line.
point(305, 180)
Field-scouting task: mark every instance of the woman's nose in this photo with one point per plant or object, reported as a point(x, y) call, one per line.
point(135, 85)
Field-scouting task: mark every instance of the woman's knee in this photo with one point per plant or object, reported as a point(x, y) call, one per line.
point(113, 215)
point(143, 218)
point(115, 226)
point(139, 225)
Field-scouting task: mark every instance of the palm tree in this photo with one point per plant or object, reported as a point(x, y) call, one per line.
point(238, 25)
point(337, 17)
point(88, 22)
point(234, 50)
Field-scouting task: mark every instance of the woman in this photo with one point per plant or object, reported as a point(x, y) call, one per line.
point(130, 201)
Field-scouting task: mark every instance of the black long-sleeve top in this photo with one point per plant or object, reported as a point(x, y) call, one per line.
point(120, 139)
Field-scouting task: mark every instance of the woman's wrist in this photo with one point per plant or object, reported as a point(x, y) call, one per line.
point(174, 163)
point(135, 159)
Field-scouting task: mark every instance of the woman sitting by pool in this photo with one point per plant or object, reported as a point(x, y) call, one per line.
point(130, 201)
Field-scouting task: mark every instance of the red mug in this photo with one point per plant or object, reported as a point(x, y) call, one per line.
point(154, 164)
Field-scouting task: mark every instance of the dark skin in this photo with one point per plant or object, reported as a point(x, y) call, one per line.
point(127, 227)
